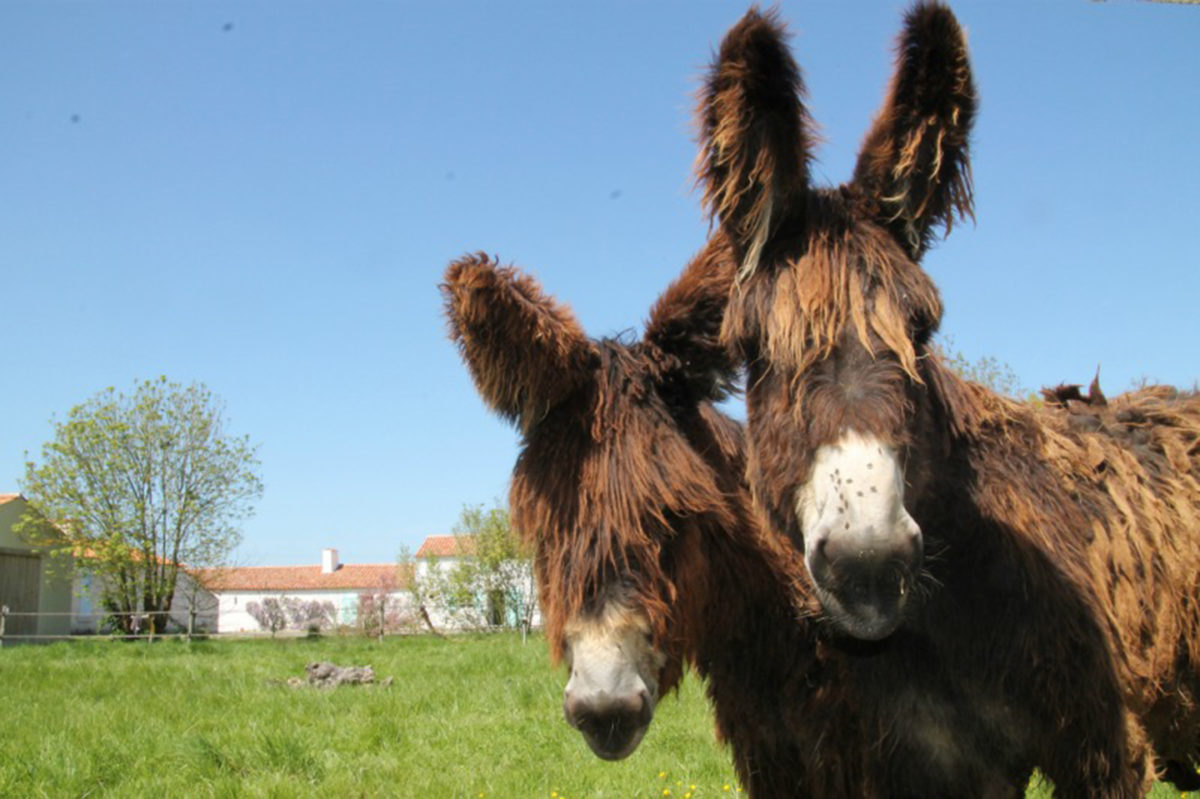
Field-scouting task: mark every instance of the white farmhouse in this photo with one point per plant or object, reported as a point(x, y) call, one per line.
point(440, 555)
point(443, 552)
point(331, 581)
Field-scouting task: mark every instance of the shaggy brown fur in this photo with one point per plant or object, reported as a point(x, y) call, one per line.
point(1059, 626)
point(637, 481)
point(602, 461)
point(632, 479)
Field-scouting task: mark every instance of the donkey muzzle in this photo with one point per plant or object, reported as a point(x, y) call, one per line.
point(864, 577)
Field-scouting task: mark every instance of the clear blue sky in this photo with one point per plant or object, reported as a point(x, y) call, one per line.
point(263, 196)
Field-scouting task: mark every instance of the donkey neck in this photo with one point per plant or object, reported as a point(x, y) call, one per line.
point(747, 603)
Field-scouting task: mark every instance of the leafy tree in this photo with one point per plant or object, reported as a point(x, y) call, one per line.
point(428, 589)
point(138, 485)
point(490, 585)
point(381, 611)
point(496, 579)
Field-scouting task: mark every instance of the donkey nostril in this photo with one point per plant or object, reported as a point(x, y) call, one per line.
point(821, 541)
point(571, 709)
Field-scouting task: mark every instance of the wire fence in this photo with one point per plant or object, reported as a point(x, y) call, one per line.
point(199, 622)
point(141, 625)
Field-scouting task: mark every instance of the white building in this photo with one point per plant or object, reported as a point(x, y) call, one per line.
point(443, 552)
point(487, 608)
point(340, 584)
point(346, 586)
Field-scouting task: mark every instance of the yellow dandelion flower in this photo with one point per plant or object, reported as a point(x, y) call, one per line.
point(666, 791)
point(687, 795)
point(724, 787)
point(662, 775)
point(691, 787)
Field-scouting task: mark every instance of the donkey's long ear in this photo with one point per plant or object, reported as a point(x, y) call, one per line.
point(525, 352)
point(754, 135)
point(914, 163)
point(684, 328)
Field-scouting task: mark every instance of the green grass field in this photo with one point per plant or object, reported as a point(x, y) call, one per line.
point(465, 717)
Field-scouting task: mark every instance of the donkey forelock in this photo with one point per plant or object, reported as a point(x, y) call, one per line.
point(845, 278)
point(602, 488)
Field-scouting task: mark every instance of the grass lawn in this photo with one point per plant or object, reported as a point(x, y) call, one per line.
point(466, 717)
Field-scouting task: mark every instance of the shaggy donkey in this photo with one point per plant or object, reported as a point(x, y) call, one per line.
point(1007, 586)
point(629, 489)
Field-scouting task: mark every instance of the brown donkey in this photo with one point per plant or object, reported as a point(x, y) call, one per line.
point(1006, 585)
point(629, 487)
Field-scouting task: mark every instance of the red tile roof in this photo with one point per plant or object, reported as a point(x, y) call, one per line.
point(446, 546)
point(86, 553)
point(8, 498)
point(358, 577)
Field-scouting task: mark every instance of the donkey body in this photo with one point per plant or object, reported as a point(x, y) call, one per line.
point(1003, 586)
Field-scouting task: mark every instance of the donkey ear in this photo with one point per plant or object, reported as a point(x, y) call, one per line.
point(754, 135)
point(684, 328)
point(524, 351)
point(914, 165)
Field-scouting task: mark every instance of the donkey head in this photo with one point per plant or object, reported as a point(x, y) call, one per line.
point(831, 312)
point(608, 488)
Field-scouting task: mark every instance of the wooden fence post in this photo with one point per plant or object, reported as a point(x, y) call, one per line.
point(191, 622)
point(382, 616)
point(3, 616)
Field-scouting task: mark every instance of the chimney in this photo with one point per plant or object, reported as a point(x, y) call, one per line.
point(329, 561)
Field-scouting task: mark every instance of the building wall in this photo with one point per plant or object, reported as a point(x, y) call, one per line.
point(234, 618)
point(9, 513)
point(53, 580)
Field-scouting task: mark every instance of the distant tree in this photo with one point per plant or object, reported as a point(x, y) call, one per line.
point(380, 611)
point(986, 370)
point(270, 614)
point(426, 586)
point(138, 485)
point(496, 579)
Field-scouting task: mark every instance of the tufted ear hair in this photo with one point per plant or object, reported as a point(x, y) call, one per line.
point(525, 352)
point(914, 167)
point(684, 328)
point(754, 135)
